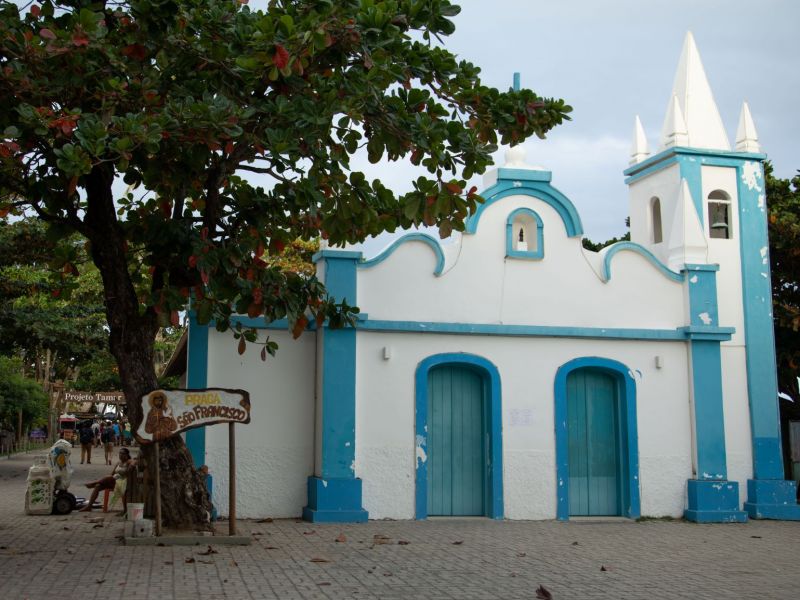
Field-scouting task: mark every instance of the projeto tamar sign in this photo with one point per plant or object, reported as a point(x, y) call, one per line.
point(169, 412)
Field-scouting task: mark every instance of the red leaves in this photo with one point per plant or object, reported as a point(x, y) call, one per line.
point(135, 52)
point(46, 34)
point(66, 123)
point(174, 319)
point(299, 326)
point(242, 345)
point(79, 38)
point(254, 309)
point(281, 58)
point(193, 261)
point(35, 10)
point(453, 188)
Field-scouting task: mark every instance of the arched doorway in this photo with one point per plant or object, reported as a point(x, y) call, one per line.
point(596, 439)
point(456, 447)
point(458, 437)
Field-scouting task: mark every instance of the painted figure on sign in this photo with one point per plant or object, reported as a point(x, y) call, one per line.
point(160, 422)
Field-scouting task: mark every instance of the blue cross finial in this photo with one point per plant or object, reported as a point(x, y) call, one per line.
point(516, 82)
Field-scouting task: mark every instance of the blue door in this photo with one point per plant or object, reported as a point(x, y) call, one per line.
point(456, 442)
point(595, 457)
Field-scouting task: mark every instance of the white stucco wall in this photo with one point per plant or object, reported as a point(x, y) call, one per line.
point(385, 453)
point(483, 286)
point(275, 452)
point(664, 185)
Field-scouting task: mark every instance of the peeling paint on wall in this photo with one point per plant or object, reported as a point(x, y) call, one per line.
point(422, 456)
point(705, 318)
point(751, 173)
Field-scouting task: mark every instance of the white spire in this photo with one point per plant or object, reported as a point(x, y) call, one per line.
point(639, 149)
point(703, 122)
point(687, 242)
point(746, 136)
point(674, 132)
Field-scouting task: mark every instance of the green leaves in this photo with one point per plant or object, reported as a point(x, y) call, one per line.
point(73, 160)
point(237, 131)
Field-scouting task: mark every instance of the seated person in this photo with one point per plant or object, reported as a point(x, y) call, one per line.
point(120, 471)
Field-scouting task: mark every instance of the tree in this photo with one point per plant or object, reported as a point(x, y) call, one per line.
point(187, 101)
point(783, 204)
point(52, 328)
point(20, 396)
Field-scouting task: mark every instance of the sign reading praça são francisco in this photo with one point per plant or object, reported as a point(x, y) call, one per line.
point(169, 412)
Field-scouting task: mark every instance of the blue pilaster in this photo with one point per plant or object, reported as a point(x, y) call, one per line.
point(334, 496)
point(711, 498)
point(197, 378)
point(769, 496)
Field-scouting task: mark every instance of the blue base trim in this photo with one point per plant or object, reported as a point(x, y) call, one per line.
point(334, 500)
point(715, 516)
point(714, 501)
point(772, 499)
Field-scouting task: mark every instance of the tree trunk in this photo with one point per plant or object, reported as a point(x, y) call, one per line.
point(184, 497)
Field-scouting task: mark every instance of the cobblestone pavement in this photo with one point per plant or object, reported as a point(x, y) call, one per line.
point(47, 557)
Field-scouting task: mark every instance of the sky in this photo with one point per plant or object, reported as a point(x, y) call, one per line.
point(615, 59)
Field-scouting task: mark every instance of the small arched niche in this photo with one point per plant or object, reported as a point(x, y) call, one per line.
point(719, 215)
point(524, 235)
point(656, 230)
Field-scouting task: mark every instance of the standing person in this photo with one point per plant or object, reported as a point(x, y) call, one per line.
point(120, 471)
point(96, 431)
point(86, 437)
point(108, 442)
point(127, 435)
point(117, 438)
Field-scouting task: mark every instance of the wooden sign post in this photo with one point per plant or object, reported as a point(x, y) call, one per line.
point(174, 411)
point(158, 489)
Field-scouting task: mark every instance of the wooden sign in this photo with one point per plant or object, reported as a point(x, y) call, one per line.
point(169, 412)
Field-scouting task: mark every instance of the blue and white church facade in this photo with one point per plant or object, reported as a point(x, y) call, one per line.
point(514, 374)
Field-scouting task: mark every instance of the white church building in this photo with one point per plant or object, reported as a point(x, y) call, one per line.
point(514, 374)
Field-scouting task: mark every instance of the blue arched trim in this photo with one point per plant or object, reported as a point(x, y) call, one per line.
point(409, 237)
point(541, 190)
point(627, 389)
point(537, 254)
point(641, 250)
point(495, 476)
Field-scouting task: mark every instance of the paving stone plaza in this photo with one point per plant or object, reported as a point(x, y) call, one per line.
point(82, 556)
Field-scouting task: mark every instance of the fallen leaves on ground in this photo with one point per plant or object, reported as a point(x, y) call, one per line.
point(403, 542)
point(189, 560)
point(210, 550)
point(521, 554)
point(99, 580)
point(542, 593)
point(267, 520)
point(319, 560)
point(312, 532)
point(341, 538)
point(602, 568)
point(458, 542)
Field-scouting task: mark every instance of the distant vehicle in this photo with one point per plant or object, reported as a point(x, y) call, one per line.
point(68, 428)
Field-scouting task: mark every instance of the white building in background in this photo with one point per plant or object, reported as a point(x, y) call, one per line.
point(514, 374)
